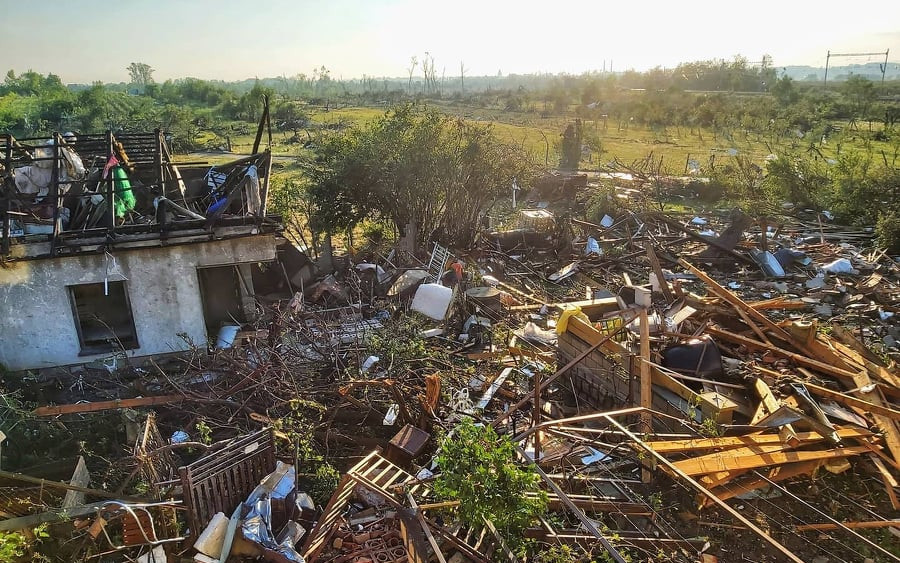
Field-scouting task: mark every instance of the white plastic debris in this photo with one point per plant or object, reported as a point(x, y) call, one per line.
point(432, 300)
point(391, 415)
point(699, 221)
point(370, 361)
point(461, 401)
point(607, 221)
point(642, 297)
point(156, 555)
point(490, 280)
point(534, 333)
point(840, 266)
point(210, 541)
point(592, 247)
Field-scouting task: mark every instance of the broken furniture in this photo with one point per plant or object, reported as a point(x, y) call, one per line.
point(221, 480)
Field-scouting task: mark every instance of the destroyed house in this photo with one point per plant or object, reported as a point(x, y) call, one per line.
point(108, 247)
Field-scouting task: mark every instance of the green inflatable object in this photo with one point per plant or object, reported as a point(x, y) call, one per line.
point(124, 198)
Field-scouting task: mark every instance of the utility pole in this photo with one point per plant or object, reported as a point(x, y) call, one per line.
point(462, 78)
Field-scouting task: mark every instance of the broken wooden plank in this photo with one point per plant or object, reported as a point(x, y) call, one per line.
point(736, 301)
point(107, 405)
point(721, 478)
point(523, 295)
point(846, 337)
point(787, 432)
point(875, 370)
point(753, 326)
point(646, 380)
point(425, 528)
point(885, 423)
point(590, 306)
point(67, 487)
point(657, 271)
point(778, 303)
point(852, 525)
point(706, 240)
point(727, 461)
point(851, 401)
point(81, 478)
point(749, 440)
point(33, 520)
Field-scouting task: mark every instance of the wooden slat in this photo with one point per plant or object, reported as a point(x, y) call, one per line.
point(726, 461)
point(851, 525)
point(787, 432)
point(720, 478)
point(885, 423)
point(729, 442)
point(67, 487)
point(222, 479)
point(722, 461)
point(851, 401)
point(106, 405)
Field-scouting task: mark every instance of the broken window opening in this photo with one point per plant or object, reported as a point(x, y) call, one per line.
point(103, 317)
point(220, 291)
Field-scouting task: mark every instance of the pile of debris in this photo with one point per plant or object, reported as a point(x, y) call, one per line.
point(666, 377)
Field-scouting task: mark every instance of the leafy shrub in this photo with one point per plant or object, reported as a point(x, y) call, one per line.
point(887, 231)
point(478, 468)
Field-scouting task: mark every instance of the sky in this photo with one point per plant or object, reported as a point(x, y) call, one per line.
point(87, 40)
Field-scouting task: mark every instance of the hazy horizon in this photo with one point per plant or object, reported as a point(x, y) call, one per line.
point(231, 40)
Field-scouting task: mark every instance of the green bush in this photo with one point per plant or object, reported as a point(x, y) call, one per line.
point(479, 469)
point(887, 231)
point(377, 231)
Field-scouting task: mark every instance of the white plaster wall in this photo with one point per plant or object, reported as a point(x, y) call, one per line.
point(37, 327)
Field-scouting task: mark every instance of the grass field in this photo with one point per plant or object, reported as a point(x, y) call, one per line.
point(540, 136)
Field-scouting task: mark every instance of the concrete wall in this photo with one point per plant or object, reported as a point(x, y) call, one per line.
point(37, 325)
